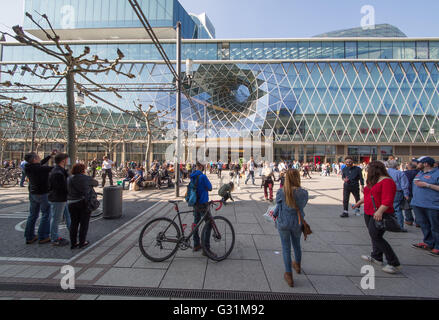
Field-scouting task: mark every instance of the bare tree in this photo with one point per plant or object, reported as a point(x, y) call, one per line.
point(156, 124)
point(72, 66)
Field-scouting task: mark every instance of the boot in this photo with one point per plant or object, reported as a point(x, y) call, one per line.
point(297, 267)
point(289, 279)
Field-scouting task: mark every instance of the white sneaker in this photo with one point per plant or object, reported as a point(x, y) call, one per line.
point(391, 269)
point(370, 259)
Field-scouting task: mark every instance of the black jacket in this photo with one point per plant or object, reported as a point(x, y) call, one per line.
point(354, 174)
point(38, 175)
point(58, 184)
point(79, 185)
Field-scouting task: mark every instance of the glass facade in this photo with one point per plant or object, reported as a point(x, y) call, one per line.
point(249, 50)
point(314, 97)
point(98, 14)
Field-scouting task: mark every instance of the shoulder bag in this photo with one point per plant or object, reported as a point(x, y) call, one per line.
point(389, 222)
point(306, 229)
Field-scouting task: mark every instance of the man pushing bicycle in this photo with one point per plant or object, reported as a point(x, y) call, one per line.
point(203, 187)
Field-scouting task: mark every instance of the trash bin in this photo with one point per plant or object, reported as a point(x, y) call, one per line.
point(112, 203)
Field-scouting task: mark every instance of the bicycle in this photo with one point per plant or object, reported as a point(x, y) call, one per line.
point(10, 177)
point(162, 237)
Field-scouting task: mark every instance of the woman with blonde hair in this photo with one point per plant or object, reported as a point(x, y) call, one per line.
point(290, 202)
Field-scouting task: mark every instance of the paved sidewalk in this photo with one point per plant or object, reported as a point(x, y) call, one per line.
point(331, 257)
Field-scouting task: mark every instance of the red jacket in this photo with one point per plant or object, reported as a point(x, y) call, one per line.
point(383, 193)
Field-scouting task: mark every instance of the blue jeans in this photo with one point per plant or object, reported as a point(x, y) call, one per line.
point(288, 238)
point(57, 209)
point(429, 221)
point(397, 202)
point(251, 174)
point(200, 211)
point(38, 202)
point(23, 178)
point(409, 217)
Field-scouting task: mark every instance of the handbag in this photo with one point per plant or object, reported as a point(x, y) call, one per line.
point(90, 199)
point(389, 222)
point(306, 229)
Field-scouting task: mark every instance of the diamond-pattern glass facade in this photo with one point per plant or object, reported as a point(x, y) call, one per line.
point(299, 102)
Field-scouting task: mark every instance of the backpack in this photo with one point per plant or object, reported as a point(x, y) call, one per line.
point(191, 193)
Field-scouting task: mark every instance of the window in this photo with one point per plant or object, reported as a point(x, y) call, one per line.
point(363, 50)
point(421, 50)
point(434, 49)
point(409, 50)
point(351, 50)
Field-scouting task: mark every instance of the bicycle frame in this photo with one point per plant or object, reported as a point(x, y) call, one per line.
point(207, 216)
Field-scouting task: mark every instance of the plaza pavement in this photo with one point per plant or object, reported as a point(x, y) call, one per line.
point(331, 256)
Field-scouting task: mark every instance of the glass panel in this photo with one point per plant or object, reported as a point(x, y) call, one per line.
point(398, 50)
point(386, 50)
point(374, 50)
point(351, 50)
point(363, 50)
point(303, 50)
point(434, 49)
point(421, 50)
point(409, 50)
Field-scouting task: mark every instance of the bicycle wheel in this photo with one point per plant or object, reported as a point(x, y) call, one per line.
point(158, 240)
point(221, 238)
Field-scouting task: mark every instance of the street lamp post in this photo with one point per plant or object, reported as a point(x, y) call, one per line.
point(178, 112)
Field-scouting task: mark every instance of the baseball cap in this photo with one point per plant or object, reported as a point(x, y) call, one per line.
point(428, 160)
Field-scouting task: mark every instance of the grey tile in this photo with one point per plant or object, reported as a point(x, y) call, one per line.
point(334, 285)
point(128, 298)
point(267, 242)
point(132, 277)
point(423, 277)
point(90, 274)
point(46, 272)
point(246, 275)
point(16, 269)
point(129, 258)
point(243, 228)
point(324, 263)
point(60, 275)
point(185, 273)
point(108, 259)
point(144, 263)
point(340, 237)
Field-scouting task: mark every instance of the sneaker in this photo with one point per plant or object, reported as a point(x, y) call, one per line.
point(43, 241)
point(370, 259)
point(32, 241)
point(422, 246)
point(409, 223)
point(391, 269)
point(357, 212)
point(345, 215)
point(434, 253)
point(196, 249)
point(210, 253)
point(60, 242)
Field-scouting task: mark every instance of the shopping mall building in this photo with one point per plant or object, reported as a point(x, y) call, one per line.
point(363, 93)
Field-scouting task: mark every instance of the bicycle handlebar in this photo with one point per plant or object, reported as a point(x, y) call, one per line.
point(219, 202)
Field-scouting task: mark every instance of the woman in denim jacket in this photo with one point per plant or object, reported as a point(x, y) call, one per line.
point(289, 200)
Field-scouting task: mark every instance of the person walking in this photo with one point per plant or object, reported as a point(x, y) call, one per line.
point(425, 204)
point(251, 166)
point(290, 203)
point(23, 174)
point(79, 186)
point(402, 190)
point(219, 167)
point(93, 166)
point(203, 187)
point(378, 202)
point(352, 177)
point(267, 181)
point(38, 175)
point(411, 173)
point(58, 199)
point(107, 165)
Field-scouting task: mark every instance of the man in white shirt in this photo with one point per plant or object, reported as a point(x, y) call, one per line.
point(251, 170)
point(107, 164)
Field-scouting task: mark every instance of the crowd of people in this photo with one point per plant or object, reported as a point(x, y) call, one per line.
point(408, 191)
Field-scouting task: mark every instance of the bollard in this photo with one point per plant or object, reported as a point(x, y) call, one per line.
point(112, 203)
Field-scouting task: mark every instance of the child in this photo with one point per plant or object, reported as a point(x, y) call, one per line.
point(226, 192)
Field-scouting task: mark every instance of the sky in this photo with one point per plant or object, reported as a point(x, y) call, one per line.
point(290, 18)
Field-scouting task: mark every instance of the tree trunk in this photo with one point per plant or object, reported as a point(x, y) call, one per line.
point(148, 148)
point(71, 118)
